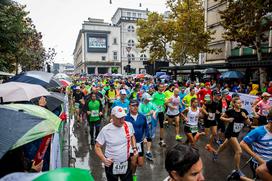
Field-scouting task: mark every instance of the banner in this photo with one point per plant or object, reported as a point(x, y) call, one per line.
point(247, 102)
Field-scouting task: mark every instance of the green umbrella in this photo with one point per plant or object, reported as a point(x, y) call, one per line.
point(66, 174)
point(49, 125)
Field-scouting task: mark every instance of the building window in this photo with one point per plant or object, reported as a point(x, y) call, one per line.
point(143, 57)
point(114, 55)
point(131, 57)
point(131, 28)
point(115, 41)
point(103, 58)
point(139, 15)
point(129, 14)
point(131, 43)
point(134, 15)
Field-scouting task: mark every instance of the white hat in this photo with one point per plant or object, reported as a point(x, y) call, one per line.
point(123, 91)
point(266, 94)
point(118, 112)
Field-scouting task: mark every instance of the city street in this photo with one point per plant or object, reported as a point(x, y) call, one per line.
point(83, 156)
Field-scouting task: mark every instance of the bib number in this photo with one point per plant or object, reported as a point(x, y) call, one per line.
point(94, 113)
point(148, 119)
point(265, 112)
point(120, 168)
point(193, 129)
point(159, 108)
point(237, 127)
point(211, 116)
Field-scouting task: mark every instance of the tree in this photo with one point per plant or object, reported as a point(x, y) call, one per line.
point(183, 31)
point(246, 22)
point(20, 42)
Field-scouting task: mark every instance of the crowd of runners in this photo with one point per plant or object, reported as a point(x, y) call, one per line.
point(132, 110)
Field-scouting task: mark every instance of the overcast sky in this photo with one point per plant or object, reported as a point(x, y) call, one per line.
point(60, 20)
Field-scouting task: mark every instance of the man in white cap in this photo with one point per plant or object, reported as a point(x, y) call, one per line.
point(118, 136)
point(123, 101)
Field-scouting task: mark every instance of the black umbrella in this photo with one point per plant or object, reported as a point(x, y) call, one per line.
point(13, 125)
point(210, 71)
point(54, 100)
point(36, 77)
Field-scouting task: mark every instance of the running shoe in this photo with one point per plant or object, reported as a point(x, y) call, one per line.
point(149, 156)
point(178, 137)
point(234, 175)
point(162, 144)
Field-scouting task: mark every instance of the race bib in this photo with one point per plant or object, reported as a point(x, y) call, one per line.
point(139, 147)
point(120, 168)
point(237, 127)
point(265, 112)
point(211, 116)
point(224, 110)
point(193, 129)
point(159, 108)
point(148, 119)
point(94, 113)
point(76, 105)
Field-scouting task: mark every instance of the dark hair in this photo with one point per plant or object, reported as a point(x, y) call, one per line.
point(192, 88)
point(193, 99)
point(180, 158)
point(235, 99)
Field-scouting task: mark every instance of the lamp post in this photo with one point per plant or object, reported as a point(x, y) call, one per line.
point(129, 57)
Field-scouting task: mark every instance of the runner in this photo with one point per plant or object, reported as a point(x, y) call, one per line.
point(158, 99)
point(187, 99)
point(236, 118)
point(118, 137)
point(78, 100)
point(201, 94)
point(122, 102)
point(258, 144)
point(263, 107)
point(190, 115)
point(149, 111)
point(141, 132)
point(209, 109)
point(111, 96)
point(172, 112)
point(94, 113)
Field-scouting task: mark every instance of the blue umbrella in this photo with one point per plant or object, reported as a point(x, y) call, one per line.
point(167, 77)
point(232, 75)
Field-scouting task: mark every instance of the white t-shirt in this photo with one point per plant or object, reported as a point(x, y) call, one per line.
point(192, 117)
point(175, 101)
point(116, 142)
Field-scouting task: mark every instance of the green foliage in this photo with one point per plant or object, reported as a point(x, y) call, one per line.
point(183, 31)
point(246, 21)
point(20, 43)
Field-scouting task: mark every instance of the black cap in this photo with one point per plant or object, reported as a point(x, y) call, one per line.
point(134, 102)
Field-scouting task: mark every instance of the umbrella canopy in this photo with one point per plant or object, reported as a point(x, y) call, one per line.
point(232, 75)
point(60, 174)
point(53, 100)
point(148, 76)
point(62, 76)
point(36, 77)
point(139, 76)
point(210, 71)
point(17, 91)
point(64, 83)
point(66, 174)
point(165, 77)
point(14, 125)
point(49, 125)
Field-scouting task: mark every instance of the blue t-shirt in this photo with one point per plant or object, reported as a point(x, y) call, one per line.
point(140, 126)
point(124, 105)
point(261, 141)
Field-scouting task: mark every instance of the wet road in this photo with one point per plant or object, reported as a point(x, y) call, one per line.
point(83, 156)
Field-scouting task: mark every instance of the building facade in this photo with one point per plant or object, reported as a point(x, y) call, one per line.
point(97, 49)
point(126, 19)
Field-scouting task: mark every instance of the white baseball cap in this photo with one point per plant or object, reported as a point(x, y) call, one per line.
point(118, 112)
point(123, 91)
point(146, 96)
